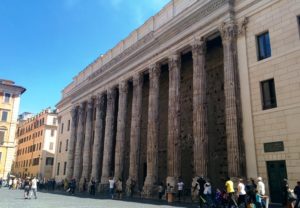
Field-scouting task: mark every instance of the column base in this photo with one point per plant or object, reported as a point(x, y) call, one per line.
point(194, 189)
point(83, 185)
point(150, 190)
point(171, 183)
point(131, 187)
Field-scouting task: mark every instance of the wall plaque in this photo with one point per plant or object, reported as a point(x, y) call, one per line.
point(273, 147)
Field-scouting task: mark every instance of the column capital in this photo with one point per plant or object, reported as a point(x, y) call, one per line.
point(154, 70)
point(198, 46)
point(174, 61)
point(111, 94)
point(123, 86)
point(100, 99)
point(232, 30)
point(137, 79)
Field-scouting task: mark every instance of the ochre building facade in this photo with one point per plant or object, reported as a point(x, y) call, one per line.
point(205, 88)
point(10, 95)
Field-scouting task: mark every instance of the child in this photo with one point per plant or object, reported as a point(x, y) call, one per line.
point(258, 201)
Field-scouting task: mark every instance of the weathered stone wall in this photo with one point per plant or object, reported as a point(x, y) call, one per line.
point(144, 126)
point(163, 123)
point(127, 134)
point(216, 112)
point(186, 119)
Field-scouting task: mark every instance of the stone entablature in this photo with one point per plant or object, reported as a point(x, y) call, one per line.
point(149, 33)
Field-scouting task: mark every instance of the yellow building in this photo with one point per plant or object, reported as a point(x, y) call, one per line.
point(36, 139)
point(9, 107)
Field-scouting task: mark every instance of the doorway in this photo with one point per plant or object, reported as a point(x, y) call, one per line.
point(276, 174)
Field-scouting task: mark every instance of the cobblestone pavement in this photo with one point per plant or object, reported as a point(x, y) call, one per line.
point(14, 199)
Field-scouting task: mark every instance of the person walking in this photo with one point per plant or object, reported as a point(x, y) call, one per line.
point(1, 181)
point(72, 186)
point(160, 190)
point(262, 191)
point(111, 187)
point(93, 187)
point(297, 192)
point(200, 186)
point(230, 192)
point(180, 186)
point(242, 200)
point(34, 182)
point(207, 193)
point(26, 188)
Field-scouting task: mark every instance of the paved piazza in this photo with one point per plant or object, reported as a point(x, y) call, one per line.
point(14, 199)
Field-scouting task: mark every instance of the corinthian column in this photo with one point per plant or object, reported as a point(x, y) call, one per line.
point(229, 32)
point(87, 146)
point(109, 136)
point(98, 138)
point(79, 143)
point(152, 135)
point(135, 133)
point(72, 143)
point(120, 139)
point(199, 108)
point(174, 158)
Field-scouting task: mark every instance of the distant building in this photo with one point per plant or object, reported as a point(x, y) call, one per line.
point(9, 107)
point(36, 139)
point(24, 116)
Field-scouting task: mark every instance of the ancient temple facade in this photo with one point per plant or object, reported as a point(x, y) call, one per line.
point(178, 98)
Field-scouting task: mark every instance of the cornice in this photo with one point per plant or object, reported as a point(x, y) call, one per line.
point(148, 44)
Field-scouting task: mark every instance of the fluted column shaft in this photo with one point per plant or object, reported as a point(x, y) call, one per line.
point(199, 109)
point(79, 143)
point(87, 142)
point(152, 133)
point(98, 138)
point(72, 143)
point(174, 158)
point(229, 32)
point(135, 132)
point(109, 134)
point(121, 130)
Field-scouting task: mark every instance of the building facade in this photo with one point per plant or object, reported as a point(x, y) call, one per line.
point(202, 88)
point(9, 108)
point(36, 141)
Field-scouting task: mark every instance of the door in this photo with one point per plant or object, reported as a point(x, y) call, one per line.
point(276, 174)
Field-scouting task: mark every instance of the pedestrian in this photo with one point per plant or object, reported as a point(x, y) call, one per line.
point(26, 188)
point(207, 193)
point(230, 192)
point(34, 182)
point(284, 191)
point(93, 187)
point(242, 199)
point(180, 186)
point(262, 191)
point(111, 187)
point(258, 199)
point(297, 193)
point(119, 188)
point(160, 190)
point(200, 186)
point(10, 183)
point(72, 186)
point(1, 181)
point(250, 190)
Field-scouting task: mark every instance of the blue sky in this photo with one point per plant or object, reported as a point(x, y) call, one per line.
point(45, 43)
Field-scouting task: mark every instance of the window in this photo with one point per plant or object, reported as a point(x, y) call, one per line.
point(62, 128)
point(59, 149)
point(69, 123)
point(4, 115)
point(51, 146)
point(263, 46)
point(67, 144)
point(65, 167)
point(2, 134)
point(57, 171)
point(49, 160)
point(35, 161)
point(268, 94)
point(54, 121)
point(52, 132)
point(7, 97)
